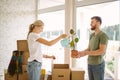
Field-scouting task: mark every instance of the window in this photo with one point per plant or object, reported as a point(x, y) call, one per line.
point(110, 17)
point(54, 26)
point(53, 14)
point(50, 3)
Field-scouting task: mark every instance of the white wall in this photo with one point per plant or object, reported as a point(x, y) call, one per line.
point(15, 17)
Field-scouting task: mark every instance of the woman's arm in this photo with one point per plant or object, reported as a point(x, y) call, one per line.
point(49, 43)
point(47, 56)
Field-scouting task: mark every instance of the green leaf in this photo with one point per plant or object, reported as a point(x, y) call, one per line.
point(76, 40)
point(72, 44)
point(72, 31)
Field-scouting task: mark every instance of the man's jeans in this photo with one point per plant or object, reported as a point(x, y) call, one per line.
point(96, 72)
point(34, 69)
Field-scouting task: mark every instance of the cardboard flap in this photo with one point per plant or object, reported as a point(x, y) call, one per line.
point(61, 66)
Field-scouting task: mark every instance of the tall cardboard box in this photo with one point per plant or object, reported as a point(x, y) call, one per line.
point(25, 57)
point(22, 45)
point(77, 74)
point(24, 75)
point(61, 72)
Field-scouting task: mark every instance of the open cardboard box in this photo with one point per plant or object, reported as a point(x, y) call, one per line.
point(60, 72)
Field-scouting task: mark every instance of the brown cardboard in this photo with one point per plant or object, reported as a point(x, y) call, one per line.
point(49, 77)
point(24, 68)
point(22, 45)
point(42, 77)
point(25, 57)
point(60, 66)
point(9, 77)
point(60, 72)
point(24, 75)
point(77, 74)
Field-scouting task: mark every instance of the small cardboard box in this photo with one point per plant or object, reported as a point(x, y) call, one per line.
point(61, 72)
point(22, 45)
point(77, 74)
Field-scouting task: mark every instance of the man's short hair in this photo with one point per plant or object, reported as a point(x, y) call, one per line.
point(97, 18)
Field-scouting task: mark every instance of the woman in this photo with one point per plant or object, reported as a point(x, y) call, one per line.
point(34, 44)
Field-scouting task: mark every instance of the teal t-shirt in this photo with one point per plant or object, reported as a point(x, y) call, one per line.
point(95, 41)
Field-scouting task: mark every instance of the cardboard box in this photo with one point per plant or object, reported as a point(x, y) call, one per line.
point(22, 45)
point(61, 72)
point(49, 77)
point(42, 77)
point(25, 58)
point(24, 75)
point(9, 77)
point(77, 74)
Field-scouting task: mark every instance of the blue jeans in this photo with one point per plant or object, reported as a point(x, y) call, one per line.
point(34, 69)
point(96, 72)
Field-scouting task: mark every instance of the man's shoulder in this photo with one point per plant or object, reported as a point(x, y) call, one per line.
point(103, 34)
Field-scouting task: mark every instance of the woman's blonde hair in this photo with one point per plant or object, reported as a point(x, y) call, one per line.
point(32, 26)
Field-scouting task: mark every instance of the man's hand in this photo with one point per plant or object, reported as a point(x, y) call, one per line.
point(74, 54)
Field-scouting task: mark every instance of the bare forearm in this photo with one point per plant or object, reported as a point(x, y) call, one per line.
point(94, 53)
point(83, 53)
point(55, 40)
point(46, 56)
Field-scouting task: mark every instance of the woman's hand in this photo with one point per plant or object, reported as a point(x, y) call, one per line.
point(47, 56)
point(53, 57)
point(63, 36)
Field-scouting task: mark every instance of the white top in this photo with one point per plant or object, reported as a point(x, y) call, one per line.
point(34, 47)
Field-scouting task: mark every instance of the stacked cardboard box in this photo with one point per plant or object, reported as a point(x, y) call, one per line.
point(22, 45)
point(23, 76)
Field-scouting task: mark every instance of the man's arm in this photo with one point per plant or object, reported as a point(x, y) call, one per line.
point(100, 51)
point(77, 54)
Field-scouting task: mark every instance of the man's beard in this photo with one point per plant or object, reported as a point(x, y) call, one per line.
point(93, 28)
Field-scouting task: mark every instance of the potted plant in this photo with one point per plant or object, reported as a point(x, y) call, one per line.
point(71, 41)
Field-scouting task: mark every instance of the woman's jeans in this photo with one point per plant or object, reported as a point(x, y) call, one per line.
point(96, 72)
point(34, 69)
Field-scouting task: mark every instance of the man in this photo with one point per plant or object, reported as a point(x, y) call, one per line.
point(95, 51)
